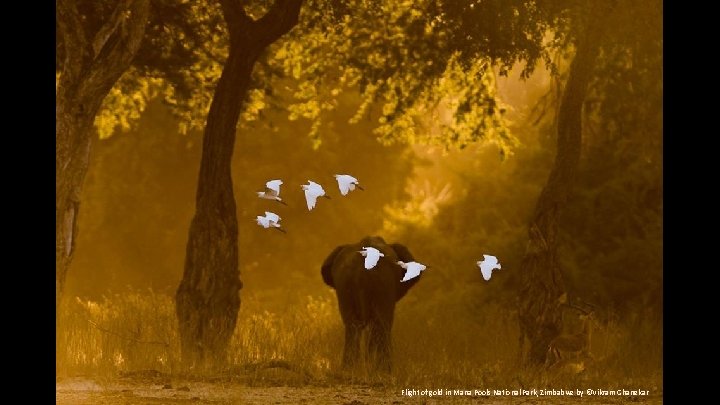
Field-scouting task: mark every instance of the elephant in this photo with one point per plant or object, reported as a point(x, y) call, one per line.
point(367, 298)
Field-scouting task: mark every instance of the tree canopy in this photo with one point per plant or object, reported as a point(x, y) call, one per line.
point(177, 61)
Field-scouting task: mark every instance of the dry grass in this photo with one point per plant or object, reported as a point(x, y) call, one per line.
point(442, 345)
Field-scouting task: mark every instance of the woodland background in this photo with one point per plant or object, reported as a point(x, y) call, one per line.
point(453, 135)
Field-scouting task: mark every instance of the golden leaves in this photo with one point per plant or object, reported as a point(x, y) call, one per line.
point(125, 102)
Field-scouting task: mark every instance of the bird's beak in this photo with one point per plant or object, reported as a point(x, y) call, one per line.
point(359, 187)
point(280, 229)
point(282, 202)
point(327, 196)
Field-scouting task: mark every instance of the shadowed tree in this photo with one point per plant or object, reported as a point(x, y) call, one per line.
point(598, 88)
point(91, 66)
point(542, 278)
point(207, 300)
point(97, 43)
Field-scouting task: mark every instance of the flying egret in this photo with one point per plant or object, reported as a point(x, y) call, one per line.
point(413, 269)
point(272, 191)
point(270, 220)
point(487, 265)
point(371, 256)
point(347, 183)
point(312, 192)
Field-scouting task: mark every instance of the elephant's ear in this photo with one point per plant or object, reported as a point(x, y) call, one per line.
point(326, 269)
point(403, 254)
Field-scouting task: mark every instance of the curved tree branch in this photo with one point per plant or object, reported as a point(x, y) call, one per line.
point(117, 42)
point(75, 42)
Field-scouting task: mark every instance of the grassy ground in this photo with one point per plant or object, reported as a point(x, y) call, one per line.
point(130, 340)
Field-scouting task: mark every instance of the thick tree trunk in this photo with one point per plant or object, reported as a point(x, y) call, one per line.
point(542, 282)
point(73, 142)
point(90, 69)
point(207, 300)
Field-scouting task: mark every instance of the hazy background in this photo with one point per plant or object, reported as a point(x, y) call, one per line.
point(448, 208)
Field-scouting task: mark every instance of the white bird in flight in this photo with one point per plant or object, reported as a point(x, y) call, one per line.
point(413, 269)
point(272, 191)
point(312, 192)
point(270, 220)
point(371, 256)
point(347, 183)
point(487, 265)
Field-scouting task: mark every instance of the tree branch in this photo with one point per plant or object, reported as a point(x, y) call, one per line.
point(235, 18)
point(110, 26)
point(279, 20)
point(128, 23)
point(117, 42)
point(74, 40)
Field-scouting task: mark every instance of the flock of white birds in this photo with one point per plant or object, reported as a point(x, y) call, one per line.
point(346, 184)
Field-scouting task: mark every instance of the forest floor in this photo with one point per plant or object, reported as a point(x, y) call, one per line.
point(276, 386)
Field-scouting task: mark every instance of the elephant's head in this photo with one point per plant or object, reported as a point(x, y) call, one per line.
point(347, 257)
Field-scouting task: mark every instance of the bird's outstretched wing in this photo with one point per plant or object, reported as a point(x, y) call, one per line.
point(346, 183)
point(411, 273)
point(344, 187)
point(272, 217)
point(413, 270)
point(273, 187)
point(487, 265)
point(310, 199)
point(372, 260)
point(342, 184)
point(372, 256)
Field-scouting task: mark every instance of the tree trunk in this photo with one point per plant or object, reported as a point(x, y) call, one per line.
point(89, 71)
point(207, 299)
point(542, 282)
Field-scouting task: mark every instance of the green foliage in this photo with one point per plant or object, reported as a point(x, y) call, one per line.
point(428, 65)
point(191, 103)
point(612, 229)
point(508, 32)
point(126, 102)
point(178, 61)
point(401, 59)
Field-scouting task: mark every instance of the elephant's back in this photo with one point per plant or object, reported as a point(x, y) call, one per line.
point(349, 269)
